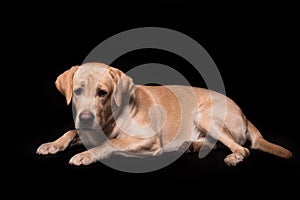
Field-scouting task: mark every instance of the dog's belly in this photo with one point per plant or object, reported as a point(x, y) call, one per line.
point(180, 105)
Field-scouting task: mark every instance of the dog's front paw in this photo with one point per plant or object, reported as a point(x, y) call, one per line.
point(49, 148)
point(84, 158)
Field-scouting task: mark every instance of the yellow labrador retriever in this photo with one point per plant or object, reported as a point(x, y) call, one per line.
point(149, 120)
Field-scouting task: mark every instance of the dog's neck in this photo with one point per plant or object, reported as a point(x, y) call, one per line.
point(118, 116)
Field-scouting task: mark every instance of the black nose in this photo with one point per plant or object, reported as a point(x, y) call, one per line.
point(86, 118)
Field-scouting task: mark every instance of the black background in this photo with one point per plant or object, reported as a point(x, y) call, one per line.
point(254, 47)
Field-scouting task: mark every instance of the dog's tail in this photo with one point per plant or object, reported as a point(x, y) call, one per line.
point(258, 142)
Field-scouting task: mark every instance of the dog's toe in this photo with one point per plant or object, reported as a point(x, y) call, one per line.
point(233, 159)
point(48, 148)
point(84, 158)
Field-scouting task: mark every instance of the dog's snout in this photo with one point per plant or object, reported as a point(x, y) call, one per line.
point(86, 118)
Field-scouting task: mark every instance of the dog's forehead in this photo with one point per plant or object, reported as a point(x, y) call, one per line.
point(91, 72)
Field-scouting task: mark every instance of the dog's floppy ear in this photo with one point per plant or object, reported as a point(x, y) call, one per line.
point(123, 86)
point(64, 83)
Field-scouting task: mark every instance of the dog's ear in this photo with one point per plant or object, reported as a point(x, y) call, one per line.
point(123, 86)
point(64, 83)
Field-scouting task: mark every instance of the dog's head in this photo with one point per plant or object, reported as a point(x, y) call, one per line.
point(94, 89)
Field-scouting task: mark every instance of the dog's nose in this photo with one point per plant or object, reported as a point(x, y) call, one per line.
point(86, 118)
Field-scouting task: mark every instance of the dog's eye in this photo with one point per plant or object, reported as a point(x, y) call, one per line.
point(78, 91)
point(101, 93)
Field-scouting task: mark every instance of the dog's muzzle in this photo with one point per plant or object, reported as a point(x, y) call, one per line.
point(86, 120)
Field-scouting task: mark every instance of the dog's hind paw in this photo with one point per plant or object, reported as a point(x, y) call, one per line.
point(233, 159)
point(185, 147)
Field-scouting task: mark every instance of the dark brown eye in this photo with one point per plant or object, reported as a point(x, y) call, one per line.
point(101, 93)
point(78, 91)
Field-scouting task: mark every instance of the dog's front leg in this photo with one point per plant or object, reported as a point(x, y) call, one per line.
point(142, 146)
point(68, 139)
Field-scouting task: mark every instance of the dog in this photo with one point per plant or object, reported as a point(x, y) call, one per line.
point(150, 120)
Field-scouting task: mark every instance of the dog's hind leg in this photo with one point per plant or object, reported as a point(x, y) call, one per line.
point(197, 145)
point(217, 130)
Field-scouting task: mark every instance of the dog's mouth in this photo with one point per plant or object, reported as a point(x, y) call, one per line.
point(87, 128)
point(81, 127)
point(91, 137)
